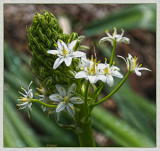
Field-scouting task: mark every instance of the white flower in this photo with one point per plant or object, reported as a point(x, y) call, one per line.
point(132, 64)
point(26, 98)
point(65, 53)
point(110, 72)
point(83, 63)
point(115, 37)
point(65, 99)
point(91, 72)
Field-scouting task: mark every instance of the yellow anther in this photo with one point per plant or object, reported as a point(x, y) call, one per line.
point(36, 93)
point(55, 54)
point(69, 40)
point(105, 59)
point(58, 96)
point(140, 65)
point(113, 63)
point(63, 102)
point(82, 69)
point(55, 45)
point(19, 108)
point(60, 40)
point(18, 91)
point(24, 99)
point(21, 87)
point(21, 97)
point(72, 107)
point(106, 31)
point(77, 99)
point(98, 62)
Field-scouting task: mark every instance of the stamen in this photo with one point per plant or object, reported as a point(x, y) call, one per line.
point(140, 65)
point(58, 96)
point(55, 45)
point(91, 57)
point(106, 31)
point(69, 40)
point(36, 93)
point(115, 31)
point(60, 40)
point(72, 107)
point(113, 63)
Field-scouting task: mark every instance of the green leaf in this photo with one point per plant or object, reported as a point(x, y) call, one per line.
point(133, 17)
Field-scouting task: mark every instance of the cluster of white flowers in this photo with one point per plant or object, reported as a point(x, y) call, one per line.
point(90, 70)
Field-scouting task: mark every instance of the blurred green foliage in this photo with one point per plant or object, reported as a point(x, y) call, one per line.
point(136, 126)
point(134, 17)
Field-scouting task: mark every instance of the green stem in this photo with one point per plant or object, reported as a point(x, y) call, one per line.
point(113, 52)
point(115, 90)
point(83, 122)
point(40, 102)
point(84, 127)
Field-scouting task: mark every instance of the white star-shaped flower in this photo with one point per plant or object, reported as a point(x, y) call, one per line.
point(26, 98)
point(66, 99)
point(90, 71)
point(132, 64)
point(65, 53)
point(110, 72)
point(115, 37)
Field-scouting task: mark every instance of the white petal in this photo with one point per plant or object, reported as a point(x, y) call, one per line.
point(78, 54)
point(81, 74)
point(61, 106)
point(92, 79)
point(104, 39)
point(70, 109)
point(64, 46)
point(56, 97)
point(72, 88)
point(76, 100)
point(30, 94)
point(59, 44)
point(72, 44)
point(122, 58)
point(110, 80)
point(138, 73)
point(68, 61)
point(57, 62)
point(117, 74)
point(61, 90)
point(125, 40)
point(29, 85)
point(23, 104)
point(143, 68)
point(53, 52)
point(102, 78)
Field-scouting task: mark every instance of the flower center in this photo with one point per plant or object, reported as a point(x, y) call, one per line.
point(106, 71)
point(64, 51)
point(66, 99)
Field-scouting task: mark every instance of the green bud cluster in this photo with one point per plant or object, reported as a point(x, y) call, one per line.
point(43, 36)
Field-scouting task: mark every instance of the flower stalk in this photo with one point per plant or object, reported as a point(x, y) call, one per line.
point(113, 92)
